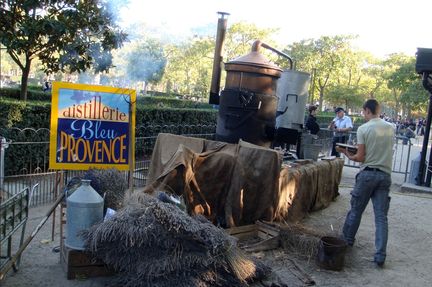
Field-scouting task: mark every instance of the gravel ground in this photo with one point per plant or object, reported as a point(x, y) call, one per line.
point(408, 259)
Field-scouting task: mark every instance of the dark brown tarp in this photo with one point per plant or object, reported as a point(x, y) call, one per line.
point(237, 184)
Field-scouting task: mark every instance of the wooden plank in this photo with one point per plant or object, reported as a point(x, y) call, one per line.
point(245, 236)
point(264, 235)
point(242, 232)
point(268, 244)
point(240, 229)
point(268, 228)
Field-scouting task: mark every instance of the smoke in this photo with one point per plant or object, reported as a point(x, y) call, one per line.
point(101, 57)
point(146, 61)
point(112, 8)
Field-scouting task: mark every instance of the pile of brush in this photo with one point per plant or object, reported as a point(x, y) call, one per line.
point(152, 243)
point(300, 240)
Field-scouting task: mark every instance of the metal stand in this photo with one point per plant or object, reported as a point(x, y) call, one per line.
point(427, 84)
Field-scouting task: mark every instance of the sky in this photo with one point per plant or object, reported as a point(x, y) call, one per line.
point(382, 26)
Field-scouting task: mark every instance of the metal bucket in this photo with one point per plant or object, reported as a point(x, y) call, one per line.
point(311, 151)
point(331, 253)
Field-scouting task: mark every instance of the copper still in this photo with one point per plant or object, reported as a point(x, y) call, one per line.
point(248, 102)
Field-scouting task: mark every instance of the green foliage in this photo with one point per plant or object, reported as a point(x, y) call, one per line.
point(25, 158)
point(33, 94)
point(240, 37)
point(189, 67)
point(157, 100)
point(188, 71)
point(325, 58)
point(34, 87)
point(170, 117)
point(63, 35)
point(166, 102)
point(404, 83)
point(409, 83)
point(347, 96)
point(36, 115)
point(14, 113)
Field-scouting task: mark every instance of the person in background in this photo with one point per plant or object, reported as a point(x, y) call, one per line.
point(311, 122)
point(419, 126)
point(375, 153)
point(46, 86)
point(408, 134)
point(341, 126)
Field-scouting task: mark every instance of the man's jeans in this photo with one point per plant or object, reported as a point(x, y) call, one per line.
point(374, 185)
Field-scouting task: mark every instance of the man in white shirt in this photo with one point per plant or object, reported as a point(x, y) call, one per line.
point(375, 153)
point(341, 126)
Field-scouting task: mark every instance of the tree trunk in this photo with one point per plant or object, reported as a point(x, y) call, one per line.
point(312, 89)
point(321, 98)
point(409, 113)
point(24, 80)
point(404, 111)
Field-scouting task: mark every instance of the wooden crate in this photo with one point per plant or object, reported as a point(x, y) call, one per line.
point(79, 264)
point(260, 236)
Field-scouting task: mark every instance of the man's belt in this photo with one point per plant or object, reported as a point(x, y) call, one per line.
point(372, 169)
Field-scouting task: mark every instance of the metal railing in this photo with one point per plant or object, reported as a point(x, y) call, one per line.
point(13, 219)
point(401, 154)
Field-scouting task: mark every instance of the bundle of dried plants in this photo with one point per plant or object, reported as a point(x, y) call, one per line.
point(110, 184)
point(152, 243)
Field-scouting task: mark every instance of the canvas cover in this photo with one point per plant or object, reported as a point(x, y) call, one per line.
point(237, 184)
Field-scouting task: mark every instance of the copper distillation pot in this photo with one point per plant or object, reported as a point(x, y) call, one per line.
point(248, 102)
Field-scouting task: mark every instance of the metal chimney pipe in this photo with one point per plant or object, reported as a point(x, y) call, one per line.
point(217, 60)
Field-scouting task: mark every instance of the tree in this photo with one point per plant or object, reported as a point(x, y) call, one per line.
point(240, 37)
point(398, 79)
point(189, 67)
point(65, 35)
point(325, 56)
point(349, 96)
point(405, 84)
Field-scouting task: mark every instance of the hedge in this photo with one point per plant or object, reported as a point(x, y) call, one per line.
point(37, 115)
point(326, 119)
point(166, 102)
point(33, 95)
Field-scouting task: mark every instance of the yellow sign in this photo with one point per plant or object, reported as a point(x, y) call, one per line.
point(92, 127)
